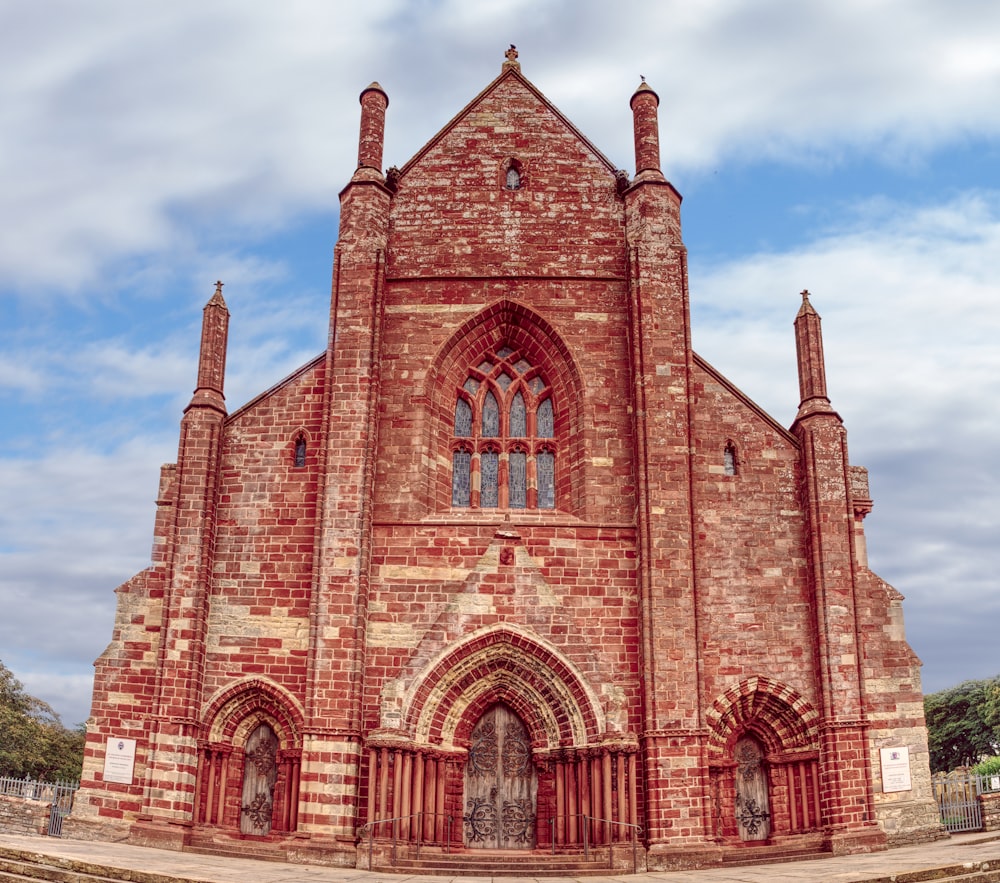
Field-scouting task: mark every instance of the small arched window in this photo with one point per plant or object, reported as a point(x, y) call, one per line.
point(503, 447)
point(513, 175)
point(729, 459)
point(300, 452)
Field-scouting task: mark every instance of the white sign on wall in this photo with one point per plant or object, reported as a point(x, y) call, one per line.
point(895, 769)
point(119, 760)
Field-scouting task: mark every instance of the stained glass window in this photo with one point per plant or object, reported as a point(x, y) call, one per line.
point(518, 417)
point(499, 401)
point(491, 416)
point(545, 422)
point(545, 463)
point(489, 476)
point(463, 419)
point(518, 485)
point(461, 478)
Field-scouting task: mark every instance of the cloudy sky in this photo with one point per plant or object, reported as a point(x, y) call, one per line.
point(850, 147)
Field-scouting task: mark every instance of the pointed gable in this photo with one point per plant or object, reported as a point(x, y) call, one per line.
point(508, 188)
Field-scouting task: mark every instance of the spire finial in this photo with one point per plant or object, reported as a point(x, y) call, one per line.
point(217, 299)
point(511, 55)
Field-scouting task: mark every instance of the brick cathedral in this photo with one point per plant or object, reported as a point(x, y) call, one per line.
point(508, 566)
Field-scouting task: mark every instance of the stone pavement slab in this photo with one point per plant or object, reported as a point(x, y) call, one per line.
point(965, 849)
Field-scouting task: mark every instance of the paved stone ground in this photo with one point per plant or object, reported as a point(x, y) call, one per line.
point(881, 866)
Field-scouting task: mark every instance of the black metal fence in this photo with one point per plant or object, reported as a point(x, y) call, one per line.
point(58, 795)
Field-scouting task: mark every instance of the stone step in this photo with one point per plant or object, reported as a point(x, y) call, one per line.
point(766, 855)
point(270, 849)
point(503, 864)
point(31, 866)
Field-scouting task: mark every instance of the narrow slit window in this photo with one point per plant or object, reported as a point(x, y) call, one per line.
point(729, 459)
point(300, 452)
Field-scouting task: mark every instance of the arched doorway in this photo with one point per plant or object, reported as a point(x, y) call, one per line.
point(260, 773)
point(501, 785)
point(753, 806)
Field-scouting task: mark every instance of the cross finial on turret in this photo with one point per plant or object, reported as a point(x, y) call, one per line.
point(218, 287)
point(511, 55)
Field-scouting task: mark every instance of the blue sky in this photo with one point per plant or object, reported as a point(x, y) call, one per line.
point(847, 147)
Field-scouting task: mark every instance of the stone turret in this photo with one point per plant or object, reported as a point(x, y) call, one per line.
point(645, 123)
point(212, 355)
point(371, 139)
point(812, 369)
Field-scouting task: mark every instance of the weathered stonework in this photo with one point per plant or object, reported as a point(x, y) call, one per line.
point(354, 569)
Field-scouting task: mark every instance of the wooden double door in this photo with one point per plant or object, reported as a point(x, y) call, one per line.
point(501, 785)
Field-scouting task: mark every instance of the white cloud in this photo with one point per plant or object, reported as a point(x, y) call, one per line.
point(908, 300)
point(149, 149)
point(128, 126)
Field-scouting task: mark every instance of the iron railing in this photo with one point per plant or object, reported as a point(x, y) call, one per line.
point(368, 830)
point(58, 795)
point(610, 826)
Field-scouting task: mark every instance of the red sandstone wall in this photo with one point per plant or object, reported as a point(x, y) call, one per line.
point(573, 586)
point(452, 215)
point(754, 600)
point(262, 575)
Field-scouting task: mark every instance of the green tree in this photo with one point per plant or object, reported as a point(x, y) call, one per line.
point(962, 724)
point(33, 741)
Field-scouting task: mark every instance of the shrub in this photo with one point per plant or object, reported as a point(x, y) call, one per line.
point(988, 767)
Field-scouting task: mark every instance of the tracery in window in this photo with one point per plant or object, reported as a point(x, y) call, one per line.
point(503, 447)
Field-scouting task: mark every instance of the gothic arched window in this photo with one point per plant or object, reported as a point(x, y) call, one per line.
point(503, 446)
point(300, 452)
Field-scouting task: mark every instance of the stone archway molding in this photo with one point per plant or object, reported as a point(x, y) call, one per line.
point(780, 716)
point(503, 663)
point(235, 710)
